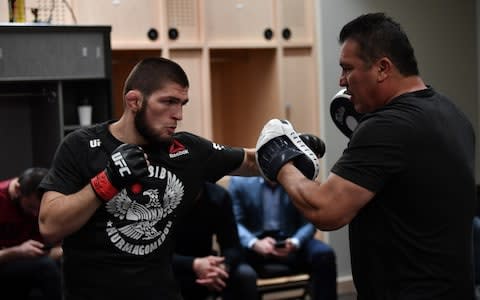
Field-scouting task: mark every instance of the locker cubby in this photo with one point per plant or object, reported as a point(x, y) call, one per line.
point(245, 93)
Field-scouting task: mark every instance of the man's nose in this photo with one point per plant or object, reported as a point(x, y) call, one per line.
point(342, 81)
point(178, 113)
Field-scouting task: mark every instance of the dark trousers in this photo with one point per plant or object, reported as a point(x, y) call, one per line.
point(39, 276)
point(241, 285)
point(315, 258)
point(476, 249)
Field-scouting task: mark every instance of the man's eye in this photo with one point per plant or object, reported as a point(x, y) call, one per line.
point(170, 101)
point(346, 70)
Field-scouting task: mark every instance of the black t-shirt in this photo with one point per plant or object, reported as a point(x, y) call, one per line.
point(413, 239)
point(125, 248)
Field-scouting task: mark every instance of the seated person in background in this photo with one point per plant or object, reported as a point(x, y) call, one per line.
point(273, 231)
point(198, 271)
point(26, 263)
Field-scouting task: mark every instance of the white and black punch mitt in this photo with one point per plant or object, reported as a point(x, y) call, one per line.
point(343, 113)
point(278, 144)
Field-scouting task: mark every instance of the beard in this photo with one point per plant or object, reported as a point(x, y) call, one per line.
point(146, 131)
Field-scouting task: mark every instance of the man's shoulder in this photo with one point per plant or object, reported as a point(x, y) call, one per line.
point(91, 137)
point(190, 140)
point(187, 136)
point(88, 132)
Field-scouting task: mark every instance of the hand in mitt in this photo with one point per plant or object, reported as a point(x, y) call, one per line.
point(314, 143)
point(278, 144)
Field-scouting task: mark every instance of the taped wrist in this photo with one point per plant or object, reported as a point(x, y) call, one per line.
point(103, 187)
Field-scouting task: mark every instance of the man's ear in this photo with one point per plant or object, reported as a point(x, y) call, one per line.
point(16, 189)
point(384, 67)
point(133, 100)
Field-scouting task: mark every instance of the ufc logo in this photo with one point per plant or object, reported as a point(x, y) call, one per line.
point(120, 162)
point(218, 147)
point(95, 143)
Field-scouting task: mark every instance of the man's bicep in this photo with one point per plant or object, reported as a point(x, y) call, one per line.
point(47, 199)
point(346, 197)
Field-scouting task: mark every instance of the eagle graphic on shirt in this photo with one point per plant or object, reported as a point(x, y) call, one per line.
point(140, 235)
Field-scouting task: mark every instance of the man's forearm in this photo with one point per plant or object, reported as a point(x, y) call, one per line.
point(249, 164)
point(8, 254)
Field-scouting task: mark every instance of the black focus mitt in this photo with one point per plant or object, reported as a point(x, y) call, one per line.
point(278, 144)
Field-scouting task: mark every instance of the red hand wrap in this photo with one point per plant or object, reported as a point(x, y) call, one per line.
point(103, 187)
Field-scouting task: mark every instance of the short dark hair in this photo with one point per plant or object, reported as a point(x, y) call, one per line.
point(379, 35)
point(30, 180)
point(151, 74)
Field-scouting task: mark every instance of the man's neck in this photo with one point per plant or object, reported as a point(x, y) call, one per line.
point(124, 131)
point(408, 84)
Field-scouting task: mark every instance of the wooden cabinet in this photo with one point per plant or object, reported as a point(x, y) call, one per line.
point(247, 61)
point(245, 93)
point(296, 24)
point(183, 22)
point(298, 88)
point(239, 23)
point(45, 73)
point(135, 24)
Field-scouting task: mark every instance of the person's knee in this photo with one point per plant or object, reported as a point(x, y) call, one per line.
point(245, 272)
point(243, 283)
point(46, 262)
point(46, 266)
point(323, 256)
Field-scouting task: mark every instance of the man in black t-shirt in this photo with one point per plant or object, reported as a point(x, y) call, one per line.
point(405, 183)
point(116, 190)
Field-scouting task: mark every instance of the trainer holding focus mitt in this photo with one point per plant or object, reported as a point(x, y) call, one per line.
point(405, 183)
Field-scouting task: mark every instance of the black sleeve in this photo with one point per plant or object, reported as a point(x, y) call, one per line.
point(67, 174)
point(183, 263)
point(217, 160)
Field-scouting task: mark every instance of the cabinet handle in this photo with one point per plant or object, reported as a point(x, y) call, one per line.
point(286, 33)
point(152, 34)
point(173, 33)
point(268, 34)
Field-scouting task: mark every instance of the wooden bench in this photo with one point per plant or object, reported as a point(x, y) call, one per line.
point(282, 284)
